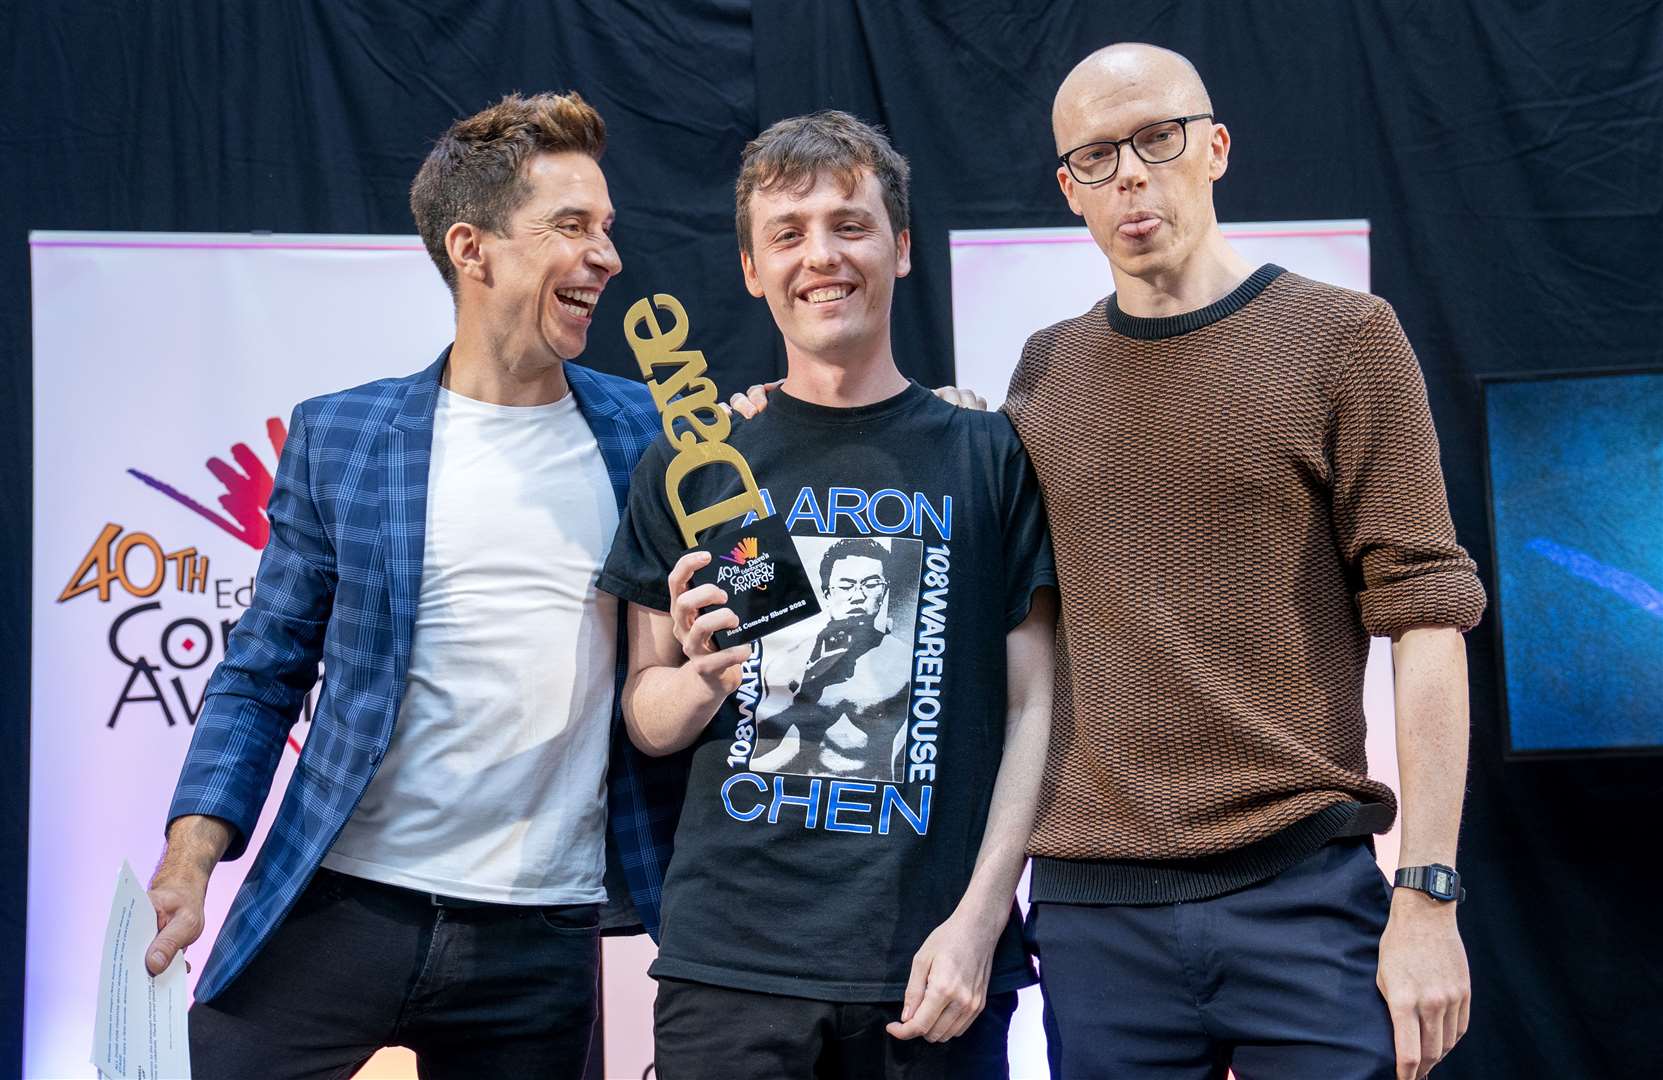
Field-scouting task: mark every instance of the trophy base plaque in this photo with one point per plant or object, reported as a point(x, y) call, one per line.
point(758, 567)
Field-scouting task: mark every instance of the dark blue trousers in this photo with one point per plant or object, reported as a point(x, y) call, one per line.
point(1273, 981)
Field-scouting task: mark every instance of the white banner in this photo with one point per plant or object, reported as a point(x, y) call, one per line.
point(165, 370)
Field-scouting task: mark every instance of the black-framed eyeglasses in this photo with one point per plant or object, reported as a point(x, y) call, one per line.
point(867, 586)
point(1097, 162)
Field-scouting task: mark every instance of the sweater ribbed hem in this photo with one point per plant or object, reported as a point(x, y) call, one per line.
point(1165, 326)
point(1172, 881)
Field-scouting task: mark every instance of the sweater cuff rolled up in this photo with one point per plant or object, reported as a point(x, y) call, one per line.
point(1450, 595)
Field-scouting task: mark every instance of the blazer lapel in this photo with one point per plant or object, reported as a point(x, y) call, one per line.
point(620, 447)
point(409, 448)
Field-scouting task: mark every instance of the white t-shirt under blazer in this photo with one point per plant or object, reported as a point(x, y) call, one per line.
point(494, 787)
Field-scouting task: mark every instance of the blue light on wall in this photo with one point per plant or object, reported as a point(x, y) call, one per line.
point(1576, 504)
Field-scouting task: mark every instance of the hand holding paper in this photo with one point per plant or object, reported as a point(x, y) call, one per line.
point(178, 923)
point(141, 1026)
point(195, 843)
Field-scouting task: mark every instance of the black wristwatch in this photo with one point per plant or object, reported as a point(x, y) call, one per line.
point(1438, 881)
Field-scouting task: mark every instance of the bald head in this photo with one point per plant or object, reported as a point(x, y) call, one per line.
point(1117, 75)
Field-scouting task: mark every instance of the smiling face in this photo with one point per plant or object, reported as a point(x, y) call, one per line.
point(826, 260)
point(1150, 220)
point(545, 272)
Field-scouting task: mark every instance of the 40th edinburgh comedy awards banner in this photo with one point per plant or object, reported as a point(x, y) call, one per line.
point(165, 370)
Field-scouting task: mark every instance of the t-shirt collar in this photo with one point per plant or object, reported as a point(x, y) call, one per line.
point(799, 410)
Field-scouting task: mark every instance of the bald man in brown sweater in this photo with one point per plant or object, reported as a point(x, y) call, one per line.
point(1243, 485)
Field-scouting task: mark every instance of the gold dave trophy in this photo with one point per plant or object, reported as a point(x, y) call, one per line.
point(755, 563)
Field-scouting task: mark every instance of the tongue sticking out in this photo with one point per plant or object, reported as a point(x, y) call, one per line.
point(1137, 230)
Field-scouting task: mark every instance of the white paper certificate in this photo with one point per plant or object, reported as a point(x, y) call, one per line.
point(141, 1027)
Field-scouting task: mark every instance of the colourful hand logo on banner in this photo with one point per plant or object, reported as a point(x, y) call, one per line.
point(187, 643)
point(246, 492)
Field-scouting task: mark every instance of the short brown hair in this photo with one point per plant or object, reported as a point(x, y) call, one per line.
point(475, 172)
point(793, 153)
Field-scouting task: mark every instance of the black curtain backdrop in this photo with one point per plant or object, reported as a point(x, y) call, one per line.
point(1509, 156)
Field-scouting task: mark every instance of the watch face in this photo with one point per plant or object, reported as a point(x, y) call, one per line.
point(1441, 884)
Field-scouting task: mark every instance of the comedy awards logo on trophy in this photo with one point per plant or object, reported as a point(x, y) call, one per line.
point(755, 562)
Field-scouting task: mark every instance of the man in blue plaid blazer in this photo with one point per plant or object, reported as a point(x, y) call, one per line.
point(317, 967)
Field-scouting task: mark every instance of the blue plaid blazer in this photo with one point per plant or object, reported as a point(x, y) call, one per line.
point(339, 582)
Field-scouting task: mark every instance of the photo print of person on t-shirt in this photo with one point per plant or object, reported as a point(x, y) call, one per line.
point(832, 691)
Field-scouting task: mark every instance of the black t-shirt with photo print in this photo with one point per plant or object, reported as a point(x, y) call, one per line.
point(837, 801)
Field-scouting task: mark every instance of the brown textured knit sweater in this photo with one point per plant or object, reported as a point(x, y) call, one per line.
point(1239, 496)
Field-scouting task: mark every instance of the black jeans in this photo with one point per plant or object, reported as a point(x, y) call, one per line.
point(704, 1032)
point(488, 990)
point(1273, 981)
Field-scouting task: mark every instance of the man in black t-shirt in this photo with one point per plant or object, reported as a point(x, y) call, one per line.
point(862, 783)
